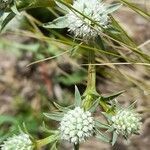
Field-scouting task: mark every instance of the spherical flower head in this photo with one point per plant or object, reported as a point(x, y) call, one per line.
point(77, 125)
point(126, 122)
point(20, 142)
point(82, 26)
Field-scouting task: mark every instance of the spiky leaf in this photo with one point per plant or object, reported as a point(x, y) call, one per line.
point(114, 138)
point(77, 97)
point(57, 116)
point(58, 23)
point(113, 7)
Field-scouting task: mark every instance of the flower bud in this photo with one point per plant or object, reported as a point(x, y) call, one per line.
point(126, 122)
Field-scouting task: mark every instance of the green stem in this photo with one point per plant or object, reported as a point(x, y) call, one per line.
point(76, 146)
point(91, 80)
point(90, 93)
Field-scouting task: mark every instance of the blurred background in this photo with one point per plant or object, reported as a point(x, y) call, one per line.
point(28, 89)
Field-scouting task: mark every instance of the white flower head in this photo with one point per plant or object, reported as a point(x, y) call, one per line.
point(84, 18)
point(82, 26)
point(126, 122)
point(19, 142)
point(77, 125)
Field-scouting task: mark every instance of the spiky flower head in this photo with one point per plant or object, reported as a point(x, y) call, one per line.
point(18, 142)
point(84, 27)
point(77, 125)
point(126, 122)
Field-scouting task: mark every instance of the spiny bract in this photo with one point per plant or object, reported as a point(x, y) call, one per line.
point(18, 142)
point(77, 125)
point(126, 122)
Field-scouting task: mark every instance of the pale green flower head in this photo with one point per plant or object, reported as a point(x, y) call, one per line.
point(18, 142)
point(126, 122)
point(77, 125)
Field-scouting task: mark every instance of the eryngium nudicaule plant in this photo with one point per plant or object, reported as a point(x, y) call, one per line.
point(85, 18)
point(77, 125)
point(126, 122)
point(18, 142)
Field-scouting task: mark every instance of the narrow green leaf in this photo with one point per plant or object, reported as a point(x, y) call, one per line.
point(58, 23)
point(60, 108)
point(94, 105)
point(48, 140)
point(124, 38)
point(108, 116)
point(62, 6)
point(132, 106)
point(77, 97)
point(113, 96)
point(23, 129)
point(101, 125)
point(75, 48)
point(99, 41)
point(15, 10)
point(57, 116)
point(54, 146)
point(136, 9)
point(102, 136)
point(113, 7)
point(45, 129)
point(114, 138)
point(123, 34)
point(7, 119)
point(7, 20)
point(113, 30)
point(110, 130)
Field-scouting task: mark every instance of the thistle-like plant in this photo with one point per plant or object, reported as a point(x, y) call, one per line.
point(86, 19)
point(77, 124)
